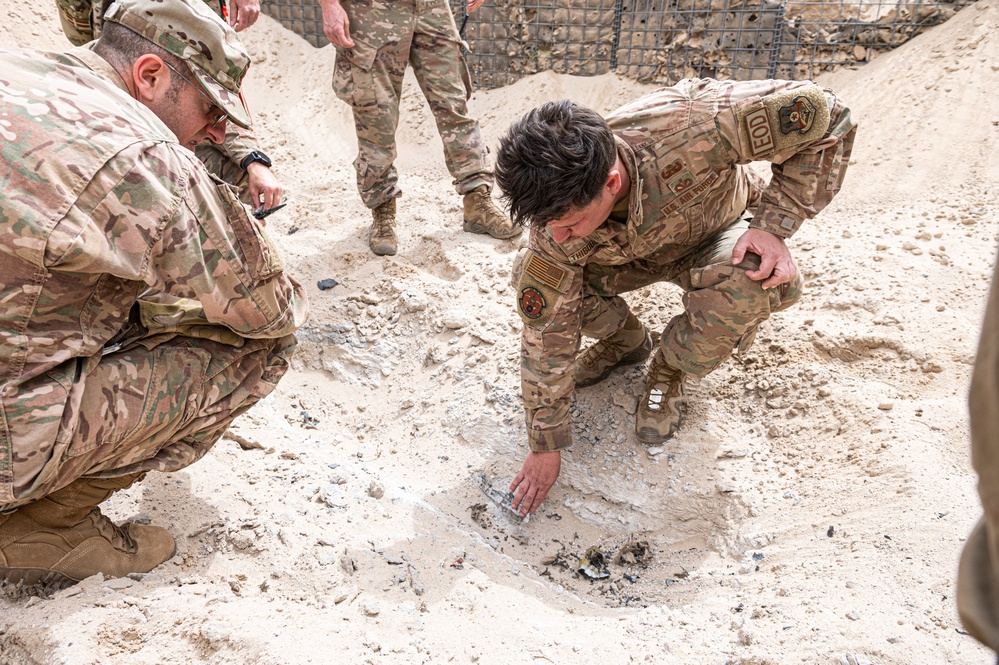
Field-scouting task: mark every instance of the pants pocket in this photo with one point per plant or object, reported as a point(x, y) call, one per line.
point(352, 77)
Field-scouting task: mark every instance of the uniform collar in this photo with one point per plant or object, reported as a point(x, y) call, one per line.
point(637, 245)
point(86, 56)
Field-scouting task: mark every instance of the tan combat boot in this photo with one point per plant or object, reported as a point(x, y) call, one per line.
point(482, 216)
point(382, 238)
point(629, 345)
point(63, 538)
point(663, 405)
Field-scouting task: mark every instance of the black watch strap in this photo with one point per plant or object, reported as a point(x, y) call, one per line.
point(256, 156)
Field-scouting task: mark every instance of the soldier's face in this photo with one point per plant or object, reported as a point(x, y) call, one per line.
point(581, 222)
point(192, 116)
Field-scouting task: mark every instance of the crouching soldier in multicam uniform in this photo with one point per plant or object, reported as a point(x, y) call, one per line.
point(144, 308)
point(659, 192)
point(237, 159)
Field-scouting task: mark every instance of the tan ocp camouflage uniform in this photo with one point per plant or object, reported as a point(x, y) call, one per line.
point(82, 22)
point(978, 574)
point(387, 35)
point(144, 309)
point(685, 149)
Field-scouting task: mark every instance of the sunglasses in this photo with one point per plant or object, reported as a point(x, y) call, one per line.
point(220, 115)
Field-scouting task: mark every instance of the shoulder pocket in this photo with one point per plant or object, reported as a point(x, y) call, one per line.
point(257, 250)
point(541, 287)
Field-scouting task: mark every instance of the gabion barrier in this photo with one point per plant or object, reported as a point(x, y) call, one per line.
point(663, 41)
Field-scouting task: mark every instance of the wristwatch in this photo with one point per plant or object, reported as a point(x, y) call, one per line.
point(256, 156)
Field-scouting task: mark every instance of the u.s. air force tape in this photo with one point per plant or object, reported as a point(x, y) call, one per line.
point(539, 290)
point(784, 120)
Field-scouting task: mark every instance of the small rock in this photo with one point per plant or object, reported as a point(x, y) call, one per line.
point(375, 490)
point(886, 406)
point(333, 496)
point(454, 321)
point(852, 616)
point(370, 608)
point(627, 402)
point(325, 284)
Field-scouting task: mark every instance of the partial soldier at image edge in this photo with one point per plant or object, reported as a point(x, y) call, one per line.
point(978, 573)
point(145, 309)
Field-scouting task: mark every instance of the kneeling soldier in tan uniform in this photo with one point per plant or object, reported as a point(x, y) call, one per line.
point(144, 308)
point(657, 192)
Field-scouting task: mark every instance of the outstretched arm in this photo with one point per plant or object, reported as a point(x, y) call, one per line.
point(536, 477)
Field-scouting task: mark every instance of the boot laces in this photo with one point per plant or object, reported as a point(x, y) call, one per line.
point(663, 382)
point(605, 352)
point(384, 221)
point(116, 535)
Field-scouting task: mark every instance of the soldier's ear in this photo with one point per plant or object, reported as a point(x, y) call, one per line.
point(150, 78)
point(614, 181)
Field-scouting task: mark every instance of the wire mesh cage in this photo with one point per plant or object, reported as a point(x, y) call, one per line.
point(663, 41)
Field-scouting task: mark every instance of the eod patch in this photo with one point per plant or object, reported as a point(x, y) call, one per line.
point(783, 120)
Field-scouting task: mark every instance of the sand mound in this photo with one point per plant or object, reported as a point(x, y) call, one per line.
point(811, 510)
point(930, 123)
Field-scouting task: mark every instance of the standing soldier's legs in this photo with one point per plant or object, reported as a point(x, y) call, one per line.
point(370, 80)
point(148, 407)
point(443, 77)
point(722, 309)
point(440, 71)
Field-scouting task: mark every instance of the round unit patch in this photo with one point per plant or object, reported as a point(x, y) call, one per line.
point(532, 302)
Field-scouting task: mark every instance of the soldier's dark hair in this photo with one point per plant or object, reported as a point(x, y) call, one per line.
point(553, 160)
point(121, 47)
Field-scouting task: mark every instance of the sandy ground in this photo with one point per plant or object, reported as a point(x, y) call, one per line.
point(811, 510)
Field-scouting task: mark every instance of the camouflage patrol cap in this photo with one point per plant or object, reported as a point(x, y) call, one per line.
point(189, 30)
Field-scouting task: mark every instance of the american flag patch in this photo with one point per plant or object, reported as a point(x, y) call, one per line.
point(547, 273)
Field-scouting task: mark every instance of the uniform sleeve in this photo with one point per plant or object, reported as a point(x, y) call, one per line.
point(210, 250)
point(549, 301)
point(807, 134)
point(238, 144)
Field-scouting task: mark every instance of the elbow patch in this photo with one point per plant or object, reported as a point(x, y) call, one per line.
point(784, 120)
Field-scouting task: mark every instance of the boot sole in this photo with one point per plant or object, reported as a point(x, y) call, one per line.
point(26, 577)
point(472, 227)
point(653, 437)
point(640, 354)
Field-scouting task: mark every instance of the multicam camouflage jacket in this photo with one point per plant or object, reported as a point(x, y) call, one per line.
point(686, 149)
point(99, 204)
